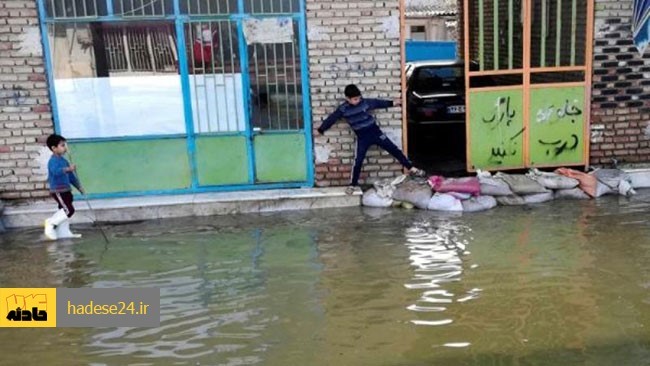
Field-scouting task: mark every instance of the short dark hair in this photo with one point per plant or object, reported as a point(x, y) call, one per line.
point(352, 91)
point(54, 141)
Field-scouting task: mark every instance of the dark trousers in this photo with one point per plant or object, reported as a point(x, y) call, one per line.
point(64, 199)
point(374, 136)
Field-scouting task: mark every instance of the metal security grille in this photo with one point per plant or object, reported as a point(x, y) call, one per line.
point(226, 80)
point(208, 7)
point(273, 69)
point(275, 84)
point(528, 67)
point(215, 76)
point(143, 8)
point(75, 8)
point(271, 6)
point(147, 49)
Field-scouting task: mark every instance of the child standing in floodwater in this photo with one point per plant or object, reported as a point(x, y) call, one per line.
point(61, 177)
point(355, 110)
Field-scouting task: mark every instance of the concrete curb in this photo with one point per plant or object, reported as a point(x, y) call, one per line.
point(205, 204)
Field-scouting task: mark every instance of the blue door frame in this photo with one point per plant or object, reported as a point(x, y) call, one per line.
point(180, 20)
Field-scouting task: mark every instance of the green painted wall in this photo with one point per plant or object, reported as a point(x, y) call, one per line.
point(221, 160)
point(280, 158)
point(496, 129)
point(122, 166)
point(557, 124)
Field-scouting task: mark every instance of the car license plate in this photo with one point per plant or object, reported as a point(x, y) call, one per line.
point(456, 109)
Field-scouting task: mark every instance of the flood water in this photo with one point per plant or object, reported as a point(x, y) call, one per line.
point(563, 283)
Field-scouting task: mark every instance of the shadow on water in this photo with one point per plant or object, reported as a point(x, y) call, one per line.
point(558, 284)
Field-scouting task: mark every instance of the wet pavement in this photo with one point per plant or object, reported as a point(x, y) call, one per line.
point(561, 283)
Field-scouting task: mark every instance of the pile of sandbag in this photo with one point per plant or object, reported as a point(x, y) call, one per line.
point(486, 191)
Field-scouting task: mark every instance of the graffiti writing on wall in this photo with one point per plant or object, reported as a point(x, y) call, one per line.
point(505, 147)
point(499, 119)
point(560, 146)
point(502, 113)
point(552, 114)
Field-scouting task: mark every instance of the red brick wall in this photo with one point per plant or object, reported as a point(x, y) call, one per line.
point(620, 126)
point(353, 42)
point(25, 118)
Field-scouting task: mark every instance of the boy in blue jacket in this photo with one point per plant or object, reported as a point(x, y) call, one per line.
point(356, 110)
point(61, 176)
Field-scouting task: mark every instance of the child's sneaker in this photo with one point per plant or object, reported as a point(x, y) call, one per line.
point(350, 190)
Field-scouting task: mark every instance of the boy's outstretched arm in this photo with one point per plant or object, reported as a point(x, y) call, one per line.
point(382, 103)
point(330, 120)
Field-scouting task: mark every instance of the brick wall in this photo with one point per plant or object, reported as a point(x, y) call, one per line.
point(353, 42)
point(621, 89)
point(25, 119)
point(349, 42)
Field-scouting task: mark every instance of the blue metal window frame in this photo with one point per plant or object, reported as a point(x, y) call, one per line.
point(180, 20)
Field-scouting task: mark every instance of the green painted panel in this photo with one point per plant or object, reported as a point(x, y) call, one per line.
point(122, 166)
point(496, 129)
point(557, 124)
point(280, 158)
point(221, 160)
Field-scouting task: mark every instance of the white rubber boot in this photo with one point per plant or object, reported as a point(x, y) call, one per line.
point(63, 231)
point(54, 221)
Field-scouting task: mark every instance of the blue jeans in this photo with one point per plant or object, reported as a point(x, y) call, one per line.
point(373, 136)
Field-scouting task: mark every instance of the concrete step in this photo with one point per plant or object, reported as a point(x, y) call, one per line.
point(205, 204)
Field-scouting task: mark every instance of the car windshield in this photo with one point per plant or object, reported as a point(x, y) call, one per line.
point(436, 79)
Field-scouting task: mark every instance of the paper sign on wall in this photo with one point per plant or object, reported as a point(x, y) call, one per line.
point(269, 30)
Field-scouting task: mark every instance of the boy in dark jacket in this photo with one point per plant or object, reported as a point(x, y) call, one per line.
point(61, 176)
point(356, 110)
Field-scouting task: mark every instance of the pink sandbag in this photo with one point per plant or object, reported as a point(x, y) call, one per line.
point(469, 185)
point(588, 183)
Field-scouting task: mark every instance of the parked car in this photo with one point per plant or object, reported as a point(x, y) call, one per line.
point(435, 92)
point(435, 109)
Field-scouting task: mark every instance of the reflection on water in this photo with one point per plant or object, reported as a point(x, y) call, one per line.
point(435, 254)
point(557, 284)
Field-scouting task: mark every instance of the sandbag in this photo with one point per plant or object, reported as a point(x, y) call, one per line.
point(461, 185)
point(494, 187)
point(444, 202)
point(386, 187)
point(480, 203)
point(416, 192)
point(512, 200)
point(640, 178)
point(460, 196)
point(603, 189)
point(521, 184)
point(617, 180)
point(571, 194)
point(372, 199)
point(611, 177)
point(539, 197)
point(553, 180)
point(625, 188)
point(588, 183)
